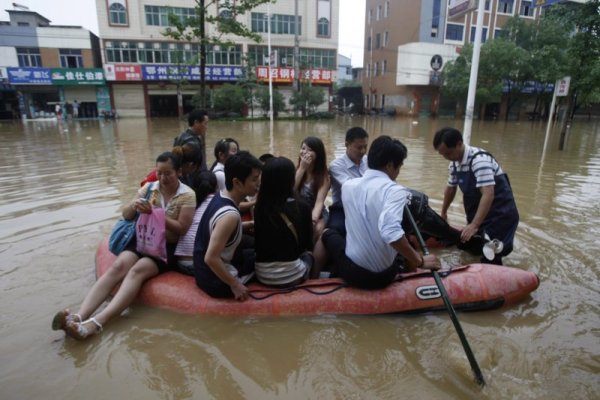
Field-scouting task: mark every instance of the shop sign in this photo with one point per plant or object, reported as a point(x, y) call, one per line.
point(190, 73)
point(77, 76)
point(29, 76)
point(286, 75)
point(123, 72)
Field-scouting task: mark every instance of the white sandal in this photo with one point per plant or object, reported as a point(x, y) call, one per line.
point(62, 318)
point(78, 330)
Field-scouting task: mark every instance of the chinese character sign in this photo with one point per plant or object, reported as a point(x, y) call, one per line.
point(190, 73)
point(77, 76)
point(29, 76)
point(286, 75)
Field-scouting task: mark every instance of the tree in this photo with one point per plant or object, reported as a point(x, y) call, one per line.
point(262, 96)
point(229, 98)
point(307, 99)
point(225, 22)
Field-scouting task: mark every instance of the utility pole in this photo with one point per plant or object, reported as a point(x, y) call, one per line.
point(296, 52)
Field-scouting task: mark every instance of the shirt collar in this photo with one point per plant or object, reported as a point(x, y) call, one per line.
point(349, 163)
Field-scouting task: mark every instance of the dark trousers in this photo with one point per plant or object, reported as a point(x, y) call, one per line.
point(337, 218)
point(354, 274)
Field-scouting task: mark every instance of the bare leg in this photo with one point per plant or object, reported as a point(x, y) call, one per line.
point(106, 283)
point(143, 270)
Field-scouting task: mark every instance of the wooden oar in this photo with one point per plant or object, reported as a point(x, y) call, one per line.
point(449, 307)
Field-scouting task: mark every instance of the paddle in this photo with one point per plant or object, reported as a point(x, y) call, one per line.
point(449, 307)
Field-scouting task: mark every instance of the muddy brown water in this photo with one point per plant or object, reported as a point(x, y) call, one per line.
point(63, 186)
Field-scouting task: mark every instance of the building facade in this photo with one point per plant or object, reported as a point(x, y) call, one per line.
point(147, 70)
point(407, 44)
point(44, 65)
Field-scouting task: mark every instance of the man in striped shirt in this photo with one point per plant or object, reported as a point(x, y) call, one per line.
point(487, 195)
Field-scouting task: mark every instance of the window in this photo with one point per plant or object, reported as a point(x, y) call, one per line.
point(370, 16)
point(383, 67)
point(487, 5)
point(386, 38)
point(375, 69)
point(22, 23)
point(159, 16)
point(435, 20)
point(526, 9)
point(483, 34)
point(280, 23)
point(224, 56)
point(70, 58)
point(505, 6)
point(454, 32)
point(368, 70)
point(309, 58)
point(378, 40)
point(118, 14)
point(323, 27)
point(29, 57)
point(378, 12)
point(386, 10)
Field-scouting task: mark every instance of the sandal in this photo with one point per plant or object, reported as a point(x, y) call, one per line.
point(78, 330)
point(62, 318)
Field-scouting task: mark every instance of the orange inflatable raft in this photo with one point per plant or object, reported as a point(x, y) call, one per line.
point(470, 287)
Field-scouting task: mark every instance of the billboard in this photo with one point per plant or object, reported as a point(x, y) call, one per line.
point(458, 8)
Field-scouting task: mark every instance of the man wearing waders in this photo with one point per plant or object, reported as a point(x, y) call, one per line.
point(487, 195)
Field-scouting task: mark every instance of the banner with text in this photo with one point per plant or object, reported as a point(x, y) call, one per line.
point(190, 73)
point(286, 75)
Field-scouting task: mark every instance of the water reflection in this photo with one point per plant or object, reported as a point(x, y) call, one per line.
point(63, 187)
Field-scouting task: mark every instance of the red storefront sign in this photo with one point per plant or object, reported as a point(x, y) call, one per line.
point(286, 75)
point(123, 72)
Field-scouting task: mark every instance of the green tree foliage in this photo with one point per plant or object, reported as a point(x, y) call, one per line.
point(229, 97)
point(224, 16)
point(262, 96)
point(307, 99)
point(564, 41)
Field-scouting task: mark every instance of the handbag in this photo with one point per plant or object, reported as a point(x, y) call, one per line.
point(151, 234)
point(123, 232)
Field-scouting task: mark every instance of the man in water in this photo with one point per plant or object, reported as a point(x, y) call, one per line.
point(195, 134)
point(487, 195)
point(374, 207)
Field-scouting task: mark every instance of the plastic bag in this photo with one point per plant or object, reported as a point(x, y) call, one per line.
point(151, 234)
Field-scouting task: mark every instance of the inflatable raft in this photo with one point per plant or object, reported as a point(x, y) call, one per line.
point(470, 287)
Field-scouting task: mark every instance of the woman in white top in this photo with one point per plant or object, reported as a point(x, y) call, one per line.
point(224, 149)
point(205, 186)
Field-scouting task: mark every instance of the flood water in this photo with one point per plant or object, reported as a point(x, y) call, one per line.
point(63, 186)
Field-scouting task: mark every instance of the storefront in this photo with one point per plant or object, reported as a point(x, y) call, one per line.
point(39, 90)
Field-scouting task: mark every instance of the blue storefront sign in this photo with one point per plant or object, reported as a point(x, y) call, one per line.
point(190, 73)
point(529, 87)
point(29, 76)
point(545, 3)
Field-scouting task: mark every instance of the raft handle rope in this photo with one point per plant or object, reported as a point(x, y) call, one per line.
point(291, 289)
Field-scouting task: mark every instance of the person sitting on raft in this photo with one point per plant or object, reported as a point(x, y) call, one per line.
point(220, 232)
point(204, 185)
point(374, 206)
point(131, 268)
point(224, 149)
point(283, 228)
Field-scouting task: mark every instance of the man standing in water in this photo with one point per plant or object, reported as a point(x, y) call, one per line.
point(374, 207)
point(195, 134)
point(487, 195)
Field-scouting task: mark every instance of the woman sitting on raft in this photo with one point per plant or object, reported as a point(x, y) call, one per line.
point(189, 155)
point(131, 268)
point(205, 186)
point(312, 181)
point(282, 228)
point(224, 149)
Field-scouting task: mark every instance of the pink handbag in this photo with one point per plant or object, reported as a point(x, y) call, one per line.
point(150, 231)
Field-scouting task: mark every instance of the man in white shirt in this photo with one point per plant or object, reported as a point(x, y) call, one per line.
point(352, 164)
point(374, 206)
